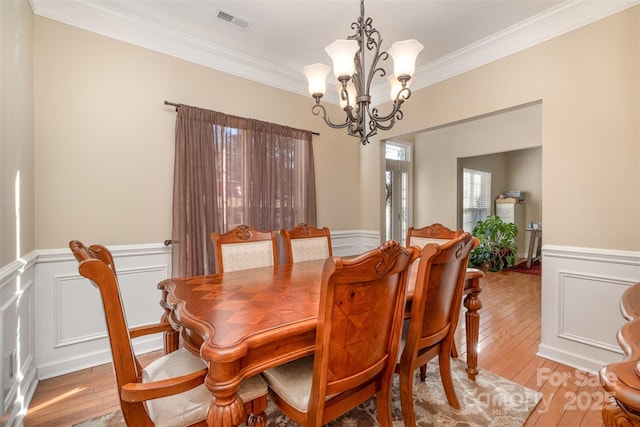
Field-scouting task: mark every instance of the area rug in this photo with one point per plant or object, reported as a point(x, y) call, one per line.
point(536, 268)
point(489, 401)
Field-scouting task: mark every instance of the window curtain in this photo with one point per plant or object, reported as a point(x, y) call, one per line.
point(229, 171)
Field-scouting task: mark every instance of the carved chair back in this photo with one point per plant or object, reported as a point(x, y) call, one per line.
point(434, 233)
point(305, 243)
point(244, 247)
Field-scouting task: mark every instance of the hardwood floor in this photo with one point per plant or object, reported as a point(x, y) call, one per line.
point(509, 338)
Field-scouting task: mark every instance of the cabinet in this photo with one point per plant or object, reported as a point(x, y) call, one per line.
point(510, 210)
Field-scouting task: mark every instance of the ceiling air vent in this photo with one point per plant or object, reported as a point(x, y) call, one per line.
point(233, 19)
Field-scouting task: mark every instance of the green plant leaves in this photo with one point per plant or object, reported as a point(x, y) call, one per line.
point(497, 248)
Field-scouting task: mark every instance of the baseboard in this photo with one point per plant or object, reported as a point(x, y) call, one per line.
point(575, 360)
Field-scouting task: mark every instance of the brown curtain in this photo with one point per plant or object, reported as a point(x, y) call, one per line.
point(229, 171)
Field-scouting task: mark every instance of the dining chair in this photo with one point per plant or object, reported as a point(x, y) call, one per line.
point(359, 326)
point(244, 247)
point(169, 391)
point(305, 243)
point(433, 319)
point(434, 233)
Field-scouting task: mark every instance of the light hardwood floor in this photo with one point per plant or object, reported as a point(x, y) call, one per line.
point(509, 338)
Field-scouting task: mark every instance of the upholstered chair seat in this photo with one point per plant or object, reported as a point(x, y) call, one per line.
point(292, 382)
point(191, 406)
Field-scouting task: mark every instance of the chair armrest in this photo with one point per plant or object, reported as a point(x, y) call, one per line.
point(156, 328)
point(138, 392)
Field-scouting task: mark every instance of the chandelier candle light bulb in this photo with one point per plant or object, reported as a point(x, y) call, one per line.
point(355, 82)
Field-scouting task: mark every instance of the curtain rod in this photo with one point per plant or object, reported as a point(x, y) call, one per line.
point(173, 104)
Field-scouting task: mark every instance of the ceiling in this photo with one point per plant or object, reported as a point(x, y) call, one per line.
point(276, 39)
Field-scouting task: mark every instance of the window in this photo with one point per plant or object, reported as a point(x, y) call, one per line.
point(476, 197)
point(229, 171)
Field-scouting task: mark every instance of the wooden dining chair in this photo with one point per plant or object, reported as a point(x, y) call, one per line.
point(306, 243)
point(170, 391)
point(359, 326)
point(244, 247)
point(434, 317)
point(434, 233)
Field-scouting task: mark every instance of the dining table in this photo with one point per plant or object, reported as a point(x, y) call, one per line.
point(246, 321)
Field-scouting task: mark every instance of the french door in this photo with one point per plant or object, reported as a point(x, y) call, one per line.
point(398, 176)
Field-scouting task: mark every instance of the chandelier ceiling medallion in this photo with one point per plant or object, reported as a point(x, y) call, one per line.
point(348, 58)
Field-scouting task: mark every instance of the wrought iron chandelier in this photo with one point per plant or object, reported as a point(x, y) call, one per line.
point(348, 58)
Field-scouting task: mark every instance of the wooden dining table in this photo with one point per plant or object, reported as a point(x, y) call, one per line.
point(243, 322)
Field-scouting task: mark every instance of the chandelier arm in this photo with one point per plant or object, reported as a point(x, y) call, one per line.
point(402, 95)
point(348, 109)
point(354, 130)
point(319, 107)
point(392, 121)
point(373, 131)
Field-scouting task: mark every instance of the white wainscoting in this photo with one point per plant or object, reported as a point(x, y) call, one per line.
point(17, 364)
point(581, 290)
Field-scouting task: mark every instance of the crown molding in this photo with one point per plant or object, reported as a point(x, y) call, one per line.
point(90, 16)
point(567, 16)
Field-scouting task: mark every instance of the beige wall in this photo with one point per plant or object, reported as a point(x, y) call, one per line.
point(104, 139)
point(524, 172)
point(16, 131)
point(589, 84)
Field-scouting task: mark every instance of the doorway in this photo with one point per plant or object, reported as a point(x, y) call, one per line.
point(398, 183)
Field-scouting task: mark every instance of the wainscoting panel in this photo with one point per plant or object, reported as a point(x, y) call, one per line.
point(17, 361)
point(67, 329)
point(70, 327)
point(581, 290)
point(579, 294)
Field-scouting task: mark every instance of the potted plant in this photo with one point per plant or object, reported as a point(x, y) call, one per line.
point(497, 248)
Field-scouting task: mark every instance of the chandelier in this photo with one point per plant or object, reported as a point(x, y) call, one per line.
point(348, 58)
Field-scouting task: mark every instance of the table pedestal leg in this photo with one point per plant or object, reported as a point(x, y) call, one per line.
point(472, 324)
point(226, 410)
